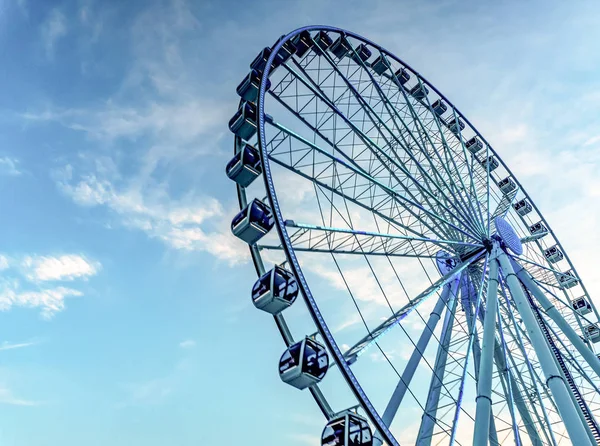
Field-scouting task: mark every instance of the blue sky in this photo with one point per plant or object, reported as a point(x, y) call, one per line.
point(125, 315)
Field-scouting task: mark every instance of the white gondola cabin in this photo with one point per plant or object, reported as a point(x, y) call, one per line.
point(341, 47)
point(474, 145)
point(249, 87)
point(323, 40)
point(303, 43)
point(361, 54)
point(275, 290)
point(538, 228)
point(507, 185)
point(401, 76)
point(456, 125)
point(381, 64)
point(566, 280)
point(492, 162)
point(243, 123)
point(349, 429)
point(304, 364)
point(419, 91)
point(439, 107)
point(245, 166)
point(523, 207)
point(253, 222)
point(582, 305)
point(554, 254)
point(592, 332)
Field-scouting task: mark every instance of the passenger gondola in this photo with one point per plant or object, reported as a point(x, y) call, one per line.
point(245, 166)
point(260, 61)
point(592, 332)
point(381, 64)
point(474, 145)
point(419, 92)
point(538, 228)
point(286, 51)
point(523, 207)
point(275, 290)
point(491, 163)
point(456, 125)
point(303, 43)
point(507, 185)
point(304, 364)
point(243, 123)
point(248, 89)
point(341, 47)
point(401, 77)
point(323, 40)
point(439, 107)
point(553, 254)
point(361, 54)
point(566, 280)
point(253, 222)
point(582, 305)
point(348, 429)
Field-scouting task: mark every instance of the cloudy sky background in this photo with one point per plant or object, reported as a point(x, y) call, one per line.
point(125, 315)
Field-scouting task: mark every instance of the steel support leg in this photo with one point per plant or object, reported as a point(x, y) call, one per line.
point(554, 380)
point(484, 383)
point(415, 357)
point(435, 387)
point(553, 314)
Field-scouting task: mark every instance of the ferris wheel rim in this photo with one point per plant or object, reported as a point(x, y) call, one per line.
point(289, 249)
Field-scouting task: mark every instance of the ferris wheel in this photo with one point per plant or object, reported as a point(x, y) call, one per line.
point(439, 306)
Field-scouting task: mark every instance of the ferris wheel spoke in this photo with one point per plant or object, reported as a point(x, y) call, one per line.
point(379, 122)
point(473, 189)
point(349, 159)
point(371, 145)
point(357, 349)
point(320, 237)
point(450, 160)
point(425, 135)
point(372, 182)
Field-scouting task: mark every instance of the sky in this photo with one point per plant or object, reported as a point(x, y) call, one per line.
point(125, 316)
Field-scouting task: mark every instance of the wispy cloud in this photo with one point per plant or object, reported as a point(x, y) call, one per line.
point(52, 30)
point(65, 267)
point(190, 223)
point(188, 343)
point(8, 166)
point(7, 397)
point(25, 282)
point(16, 345)
point(48, 300)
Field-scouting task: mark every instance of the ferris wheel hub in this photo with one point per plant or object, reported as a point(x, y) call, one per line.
point(508, 235)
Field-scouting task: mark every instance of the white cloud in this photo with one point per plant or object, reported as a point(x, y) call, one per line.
point(16, 345)
point(4, 263)
point(187, 344)
point(190, 224)
point(48, 300)
point(26, 285)
point(65, 267)
point(52, 30)
point(7, 397)
point(8, 166)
